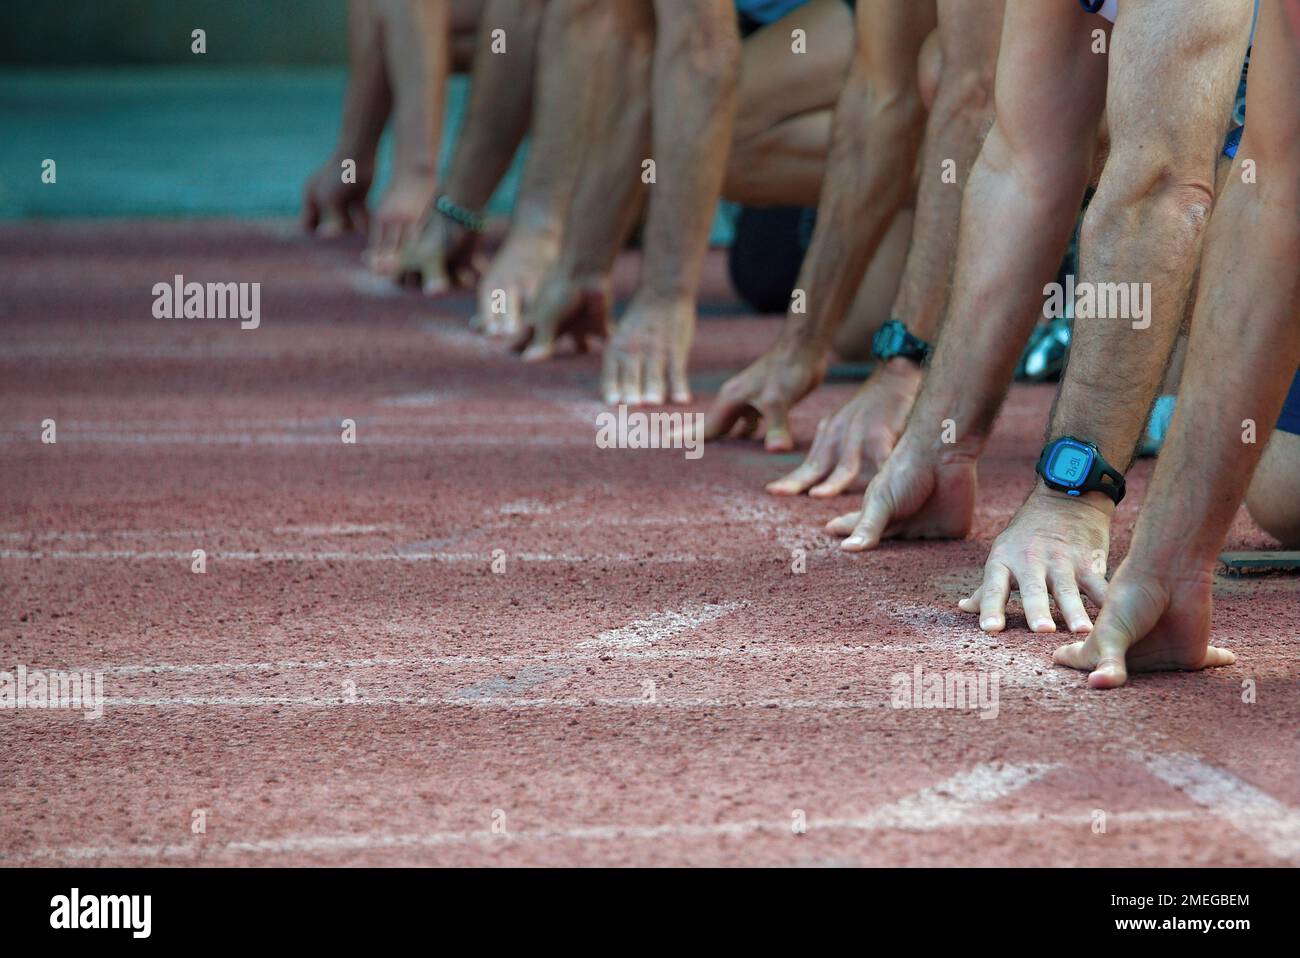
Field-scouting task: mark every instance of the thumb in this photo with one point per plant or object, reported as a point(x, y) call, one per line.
point(1110, 670)
point(1103, 654)
point(777, 416)
point(310, 212)
point(877, 511)
point(428, 262)
point(544, 323)
point(333, 224)
point(510, 320)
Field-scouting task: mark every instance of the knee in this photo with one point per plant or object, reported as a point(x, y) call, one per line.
point(1274, 497)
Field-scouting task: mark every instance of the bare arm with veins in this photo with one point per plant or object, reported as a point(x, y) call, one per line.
point(567, 46)
point(574, 298)
point(496, 119)
point(1243, 352)
point(1018, 209)
point(417, 62)
point(1143, 232)
point(852, 444)
point(696, 68)
point(332, 206)
point(875, 140)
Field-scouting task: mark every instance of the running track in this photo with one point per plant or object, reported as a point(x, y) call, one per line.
point(349, 682)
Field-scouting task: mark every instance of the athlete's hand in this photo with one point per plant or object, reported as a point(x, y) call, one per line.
point(512, 281)
point(1054, 546)
point(645, 360)
point(853, 443)
point(444, 255)
point(407, 201)
point(330, 207)
point(924, 490)
point(766, 390)
point(1153, 621)
point(564, 306)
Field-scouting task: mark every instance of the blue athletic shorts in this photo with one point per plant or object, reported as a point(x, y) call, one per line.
point(1289, 421)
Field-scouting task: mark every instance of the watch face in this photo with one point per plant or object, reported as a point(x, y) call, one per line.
point(1069, 464)
point(888, 341)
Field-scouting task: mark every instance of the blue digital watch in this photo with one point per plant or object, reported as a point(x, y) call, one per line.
point(1075, 466)
point(892, 339)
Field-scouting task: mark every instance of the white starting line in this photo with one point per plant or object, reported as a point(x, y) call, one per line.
point(959, 802)
point(1246, 808)
point(343, 555)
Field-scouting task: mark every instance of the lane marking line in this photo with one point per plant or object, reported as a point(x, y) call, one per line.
point(374, 842)
point(661, 625)
point(1249, 810)
point(960, 636)
point(666, 558)
point(508, 704)
point(455, 661)
point(951, 803)
point(298, 440)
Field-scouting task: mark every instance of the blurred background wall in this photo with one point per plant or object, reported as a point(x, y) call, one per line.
point(120, 32)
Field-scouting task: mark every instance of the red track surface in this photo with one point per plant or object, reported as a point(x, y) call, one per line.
point(523, 693)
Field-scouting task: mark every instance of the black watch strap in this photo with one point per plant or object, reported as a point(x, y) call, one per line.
point(1101, 476)
point(893, 339)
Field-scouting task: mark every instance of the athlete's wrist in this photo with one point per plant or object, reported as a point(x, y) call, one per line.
point(903, 370)
point(1097, 501)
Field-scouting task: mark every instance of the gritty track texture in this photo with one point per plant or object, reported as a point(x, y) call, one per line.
point(351, 683)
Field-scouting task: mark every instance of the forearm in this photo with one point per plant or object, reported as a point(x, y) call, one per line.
point(500, 100)
point(1015, 223)
point(417, 63)
point(367, 99)
point(610, 193)
point(566, 46)
point(1136, 269)
point(1243, 353)
point(873, 152)
point(962, 113)
point(696, 69)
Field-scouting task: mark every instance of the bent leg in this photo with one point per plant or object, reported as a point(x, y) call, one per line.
point(784, 102)
point(1274, 496)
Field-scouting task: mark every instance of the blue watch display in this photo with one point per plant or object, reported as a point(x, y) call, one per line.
point(1075, 466)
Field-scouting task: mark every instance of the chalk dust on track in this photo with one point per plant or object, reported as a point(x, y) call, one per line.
point(646, 682)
